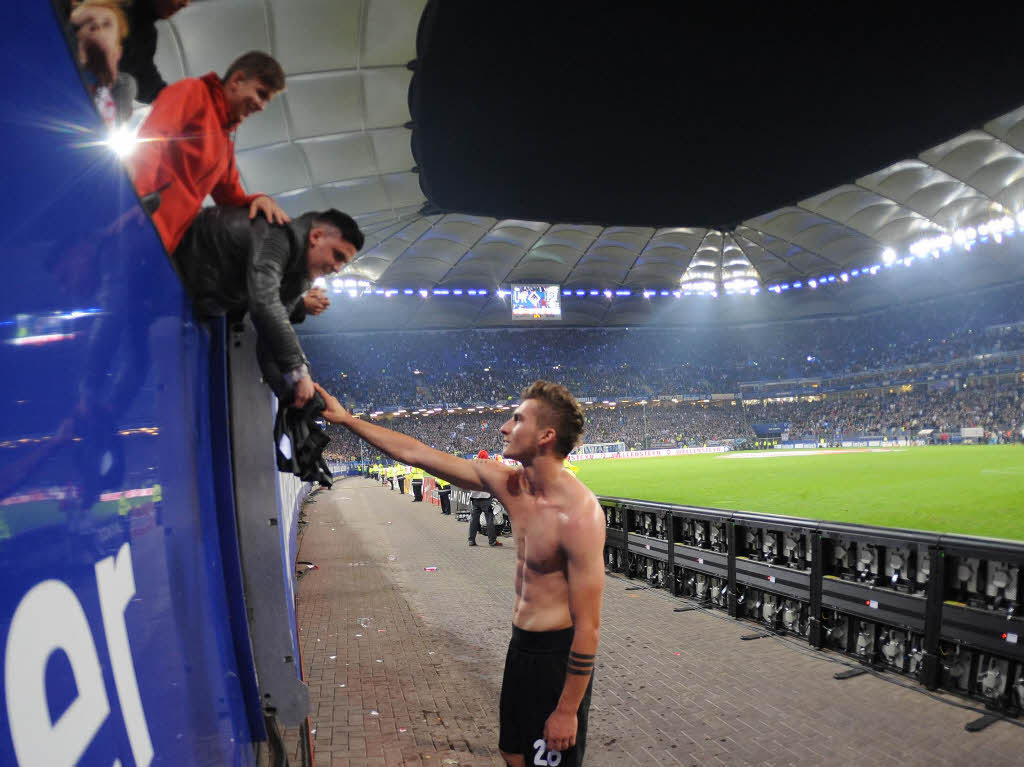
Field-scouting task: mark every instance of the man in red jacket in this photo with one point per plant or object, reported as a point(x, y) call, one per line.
point(185, 150)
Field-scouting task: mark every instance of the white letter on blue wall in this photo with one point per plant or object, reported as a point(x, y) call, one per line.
point(116, 583)
point(50, 618)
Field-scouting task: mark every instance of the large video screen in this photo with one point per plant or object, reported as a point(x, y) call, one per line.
point(537, 301)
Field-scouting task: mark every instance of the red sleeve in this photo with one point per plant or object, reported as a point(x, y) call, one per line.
point(174, 111)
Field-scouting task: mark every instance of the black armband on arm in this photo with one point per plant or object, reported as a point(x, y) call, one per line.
point(580, 664)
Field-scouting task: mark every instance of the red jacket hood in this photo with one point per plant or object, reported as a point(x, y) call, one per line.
point(220, 99)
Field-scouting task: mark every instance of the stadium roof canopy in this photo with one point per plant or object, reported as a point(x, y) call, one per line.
point(342, 136)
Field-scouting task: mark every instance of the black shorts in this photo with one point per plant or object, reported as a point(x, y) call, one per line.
point(534, 678)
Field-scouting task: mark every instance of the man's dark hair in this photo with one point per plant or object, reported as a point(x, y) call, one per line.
point(563, 413)
point(259, 65)
point(343, 222)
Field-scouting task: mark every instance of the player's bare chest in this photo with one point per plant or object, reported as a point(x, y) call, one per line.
point(539, 546)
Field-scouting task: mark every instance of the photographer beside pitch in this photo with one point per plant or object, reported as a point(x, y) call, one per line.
point(559, 531)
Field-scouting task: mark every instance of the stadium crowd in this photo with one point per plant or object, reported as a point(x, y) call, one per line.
point(998, 409)
point(668, 424)
point(382, 371)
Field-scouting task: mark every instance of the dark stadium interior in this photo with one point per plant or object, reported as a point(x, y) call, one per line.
point(787, 233)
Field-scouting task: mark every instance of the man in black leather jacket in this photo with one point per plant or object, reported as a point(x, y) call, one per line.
point(232, 265)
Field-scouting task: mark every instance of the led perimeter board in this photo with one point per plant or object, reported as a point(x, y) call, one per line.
point(542, 301)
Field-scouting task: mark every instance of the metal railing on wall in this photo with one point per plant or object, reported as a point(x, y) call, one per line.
point(267, 503)
point(944, 609)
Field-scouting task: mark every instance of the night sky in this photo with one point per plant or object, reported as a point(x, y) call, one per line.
point(667, 115)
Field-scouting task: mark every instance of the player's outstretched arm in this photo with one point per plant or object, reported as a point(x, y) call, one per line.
point(469, 475)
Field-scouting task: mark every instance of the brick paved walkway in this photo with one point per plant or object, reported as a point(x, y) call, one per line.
point(405, 666)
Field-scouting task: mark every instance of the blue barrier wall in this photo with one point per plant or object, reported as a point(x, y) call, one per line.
point(114, 614)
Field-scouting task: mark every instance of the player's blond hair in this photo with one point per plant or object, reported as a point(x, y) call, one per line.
point(561, 411)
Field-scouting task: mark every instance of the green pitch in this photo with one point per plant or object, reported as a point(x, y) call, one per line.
point(973, 490)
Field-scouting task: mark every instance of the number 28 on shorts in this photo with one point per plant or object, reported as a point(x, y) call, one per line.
point(549, 759)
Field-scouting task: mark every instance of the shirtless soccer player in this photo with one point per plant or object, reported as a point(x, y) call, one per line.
point(559, 532)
